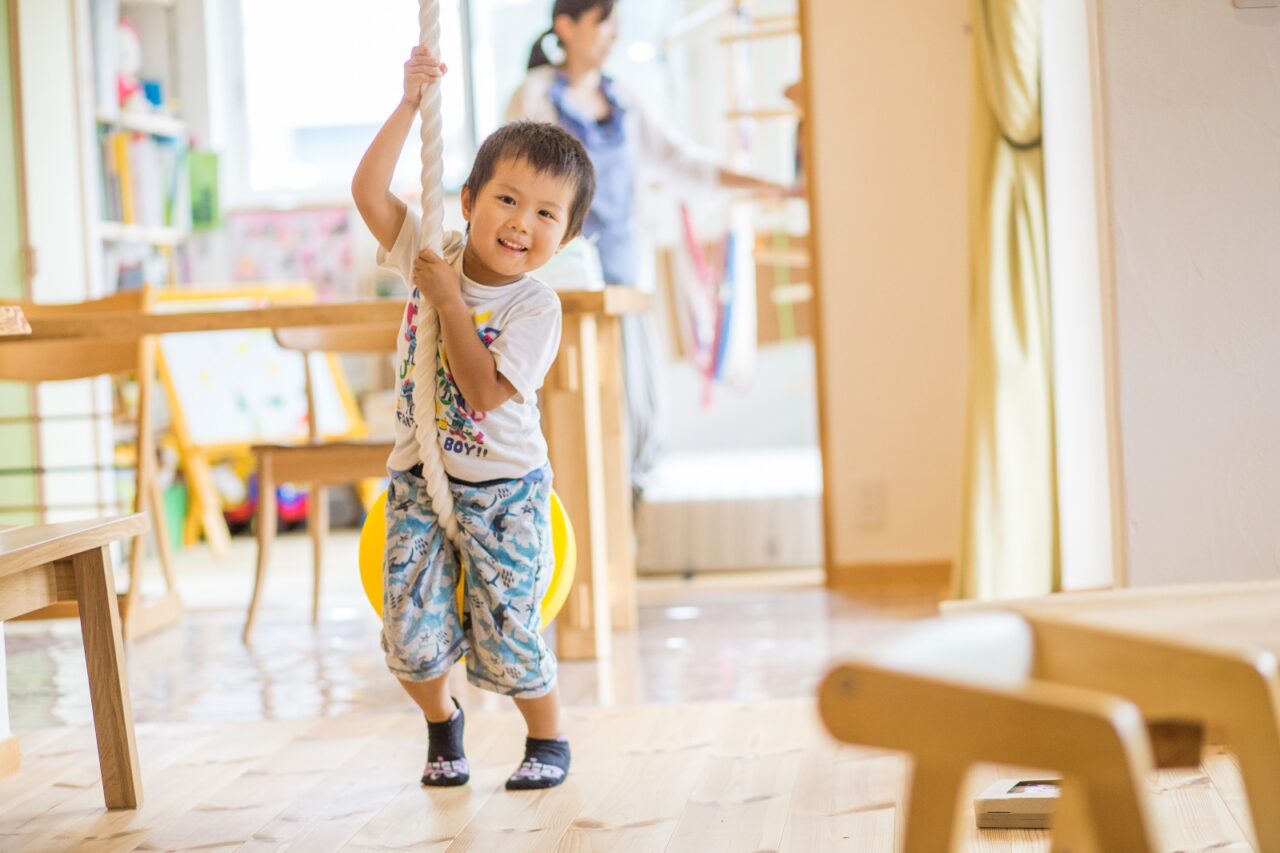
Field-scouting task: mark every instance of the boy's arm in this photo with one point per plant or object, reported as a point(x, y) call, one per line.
point(472, 366)
point(371, 186)
point(470, 362)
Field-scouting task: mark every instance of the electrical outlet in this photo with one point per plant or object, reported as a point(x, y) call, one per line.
point(871, 504)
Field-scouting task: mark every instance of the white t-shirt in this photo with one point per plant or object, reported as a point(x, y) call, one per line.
point(520, 324)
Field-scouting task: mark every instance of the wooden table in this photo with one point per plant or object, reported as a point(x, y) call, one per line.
point(46, 564)
point(584, 415)
point(12, 322)
point(1202, 657)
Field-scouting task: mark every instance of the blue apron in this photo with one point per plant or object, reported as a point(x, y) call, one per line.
point(608, 224)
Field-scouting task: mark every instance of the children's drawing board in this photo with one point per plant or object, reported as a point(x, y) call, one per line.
point(235, 388)
point(240, 388)
point(228, 390)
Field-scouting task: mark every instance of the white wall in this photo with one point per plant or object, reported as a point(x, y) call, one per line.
point(1192, 104)
point(777, 409)
point(1076, 276)
point(889, 117)
point(52, 137)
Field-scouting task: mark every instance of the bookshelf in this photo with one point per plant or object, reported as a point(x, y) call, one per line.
point(158, 235)
point(138, 198)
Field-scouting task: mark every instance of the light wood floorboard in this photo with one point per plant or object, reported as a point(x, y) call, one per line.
point(684, 777)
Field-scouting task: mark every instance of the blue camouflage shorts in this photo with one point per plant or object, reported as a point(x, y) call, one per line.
point(508, 561)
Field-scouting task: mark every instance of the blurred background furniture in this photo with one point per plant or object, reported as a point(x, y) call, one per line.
point(317, 461)
point(33, 360)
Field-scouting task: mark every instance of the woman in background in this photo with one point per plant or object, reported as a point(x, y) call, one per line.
point(570, 89)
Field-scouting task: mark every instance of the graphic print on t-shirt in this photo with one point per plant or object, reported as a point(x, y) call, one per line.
point(453, 415)
point(404, 405)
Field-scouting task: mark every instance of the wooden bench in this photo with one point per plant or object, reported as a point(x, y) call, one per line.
point(1198, 660)
point(71, 561)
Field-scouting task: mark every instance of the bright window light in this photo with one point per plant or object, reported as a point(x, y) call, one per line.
point(320, 78)
point(641, 51)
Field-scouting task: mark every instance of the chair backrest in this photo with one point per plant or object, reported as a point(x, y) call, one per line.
point(24, 360)
point(958, 691)
point(364, 338)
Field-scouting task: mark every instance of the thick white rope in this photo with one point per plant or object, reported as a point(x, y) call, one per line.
point(426, 343)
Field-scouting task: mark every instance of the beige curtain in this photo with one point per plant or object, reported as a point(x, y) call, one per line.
point(1010, 538)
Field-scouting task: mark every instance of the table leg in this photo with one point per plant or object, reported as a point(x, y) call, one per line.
point(267, 520)
point(571, 416)
point(617, 477)
point(108, 682)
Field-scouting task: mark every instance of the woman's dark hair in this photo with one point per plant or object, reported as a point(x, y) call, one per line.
point(575, 9)
point(548, 150)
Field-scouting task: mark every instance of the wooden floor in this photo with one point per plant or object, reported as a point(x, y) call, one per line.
point(695, 777)
point(697, 734)
point(715, 638)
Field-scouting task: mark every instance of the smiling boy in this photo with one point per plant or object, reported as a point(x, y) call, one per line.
point(526, 197)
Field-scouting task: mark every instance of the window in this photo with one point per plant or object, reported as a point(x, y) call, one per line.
point(320, 77)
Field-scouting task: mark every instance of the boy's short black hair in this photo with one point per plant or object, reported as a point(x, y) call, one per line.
point(548, 150)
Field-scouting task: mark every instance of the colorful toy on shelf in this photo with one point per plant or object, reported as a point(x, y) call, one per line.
point(129, 93)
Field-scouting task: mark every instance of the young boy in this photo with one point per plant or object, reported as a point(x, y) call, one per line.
point(526, 197)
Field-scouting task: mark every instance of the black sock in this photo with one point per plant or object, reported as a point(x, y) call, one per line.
point(446, 762)
point(545, 765)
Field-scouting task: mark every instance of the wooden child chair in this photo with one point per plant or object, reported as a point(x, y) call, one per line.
point(318, 462)
point(35, 361)
point(1200, 658)
point(956, 692)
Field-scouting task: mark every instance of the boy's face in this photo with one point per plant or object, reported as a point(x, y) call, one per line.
point(518, 221)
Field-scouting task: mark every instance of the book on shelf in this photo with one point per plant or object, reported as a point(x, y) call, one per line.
point(128, 266)
point(144, 180)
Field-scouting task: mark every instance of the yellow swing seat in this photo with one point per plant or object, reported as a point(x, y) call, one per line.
point(373, 541)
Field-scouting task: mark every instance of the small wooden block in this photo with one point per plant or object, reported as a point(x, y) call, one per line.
point(1018, 804)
